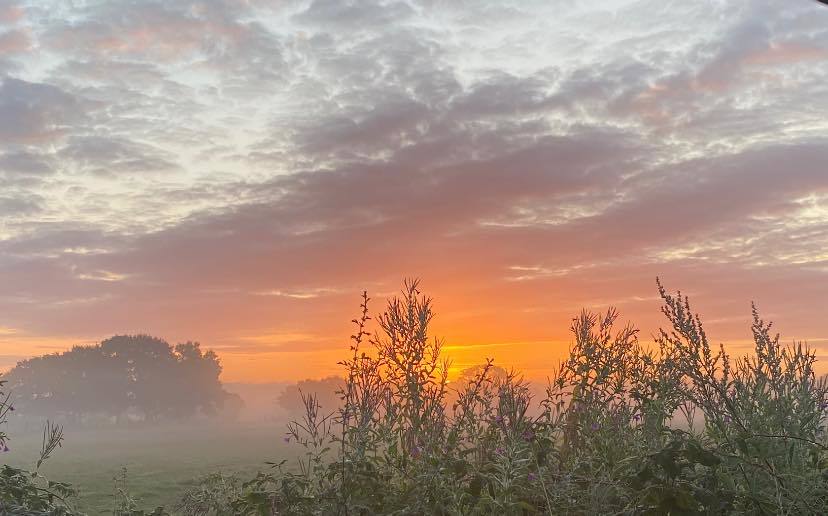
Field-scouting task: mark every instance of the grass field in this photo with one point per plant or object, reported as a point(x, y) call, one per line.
point(162, 462)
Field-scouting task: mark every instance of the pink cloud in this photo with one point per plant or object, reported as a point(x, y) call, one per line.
point(152, 33)
point(10, 13)
point(14, 42)
point(785, 53)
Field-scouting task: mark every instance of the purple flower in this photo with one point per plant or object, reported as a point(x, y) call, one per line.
point(727, 419)
point(499, 419)
point(595, 426)
point(636, 417)
point(528, 435)
point(499, 450)
point(531, 477)
point(415, 451)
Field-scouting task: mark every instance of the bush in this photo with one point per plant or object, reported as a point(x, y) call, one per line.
point(25, 492)
point(677, 428)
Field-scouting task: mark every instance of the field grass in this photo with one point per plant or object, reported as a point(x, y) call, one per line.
point(162, 462)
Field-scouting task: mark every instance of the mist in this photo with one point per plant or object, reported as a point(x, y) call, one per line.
point(138, 440)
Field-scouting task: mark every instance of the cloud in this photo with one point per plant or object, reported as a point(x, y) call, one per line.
point(104, 156)
point(24, 169)
point(14, 42)
point(146, 30)
point(218, 169)
point(212, 36)
point(36, 113)
point(10, 12)
point(754, 57)
point(10, 206)
point(298, 294)
point(338, 15)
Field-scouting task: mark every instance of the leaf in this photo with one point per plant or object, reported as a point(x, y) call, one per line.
point(695, 453)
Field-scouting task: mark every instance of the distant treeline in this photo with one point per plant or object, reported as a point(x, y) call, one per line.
point(135, 377)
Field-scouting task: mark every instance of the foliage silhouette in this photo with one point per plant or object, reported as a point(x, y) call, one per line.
point(29, 493)
point(676, 428)
point(123, 373)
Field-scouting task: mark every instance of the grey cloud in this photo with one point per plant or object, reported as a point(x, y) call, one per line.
point(34, 112)
point(382, 126)
point(107, 156)
point(10, 12)
point(20, 205)
point(24, 169)
point(8, 66)
point(52, 239)
point(336, 14)
point(205, 33)
point(125, 74)
point(723, 81)
point(696, 199)
point(377, 223)
point(317, 214)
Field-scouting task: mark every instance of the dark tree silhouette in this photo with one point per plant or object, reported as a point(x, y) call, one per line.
point(126, 372)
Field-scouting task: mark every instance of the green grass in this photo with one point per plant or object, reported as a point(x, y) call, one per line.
point(162, 462)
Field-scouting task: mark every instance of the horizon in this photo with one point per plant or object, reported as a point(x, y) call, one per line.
point(236, 173)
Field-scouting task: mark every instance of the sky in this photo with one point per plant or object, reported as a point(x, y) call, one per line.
point(237, 171)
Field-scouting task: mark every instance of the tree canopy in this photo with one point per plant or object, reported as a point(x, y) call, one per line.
point(125, 372)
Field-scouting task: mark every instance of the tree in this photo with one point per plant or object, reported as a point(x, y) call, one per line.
point(325, 390)
point(125, 372)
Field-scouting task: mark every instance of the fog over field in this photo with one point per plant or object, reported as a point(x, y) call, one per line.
point(111, 440)
point(162, 461)
point(157, 461)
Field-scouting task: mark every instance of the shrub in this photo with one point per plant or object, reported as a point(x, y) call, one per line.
point(25, 492)
point(676, 428)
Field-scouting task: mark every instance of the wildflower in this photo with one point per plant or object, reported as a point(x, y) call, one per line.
point(531, 477)
point(415, 451)
point(499, 419)
point(595, 426)
point(528, 435)
point(727, 419)
point(636, 417)
point(499, 450)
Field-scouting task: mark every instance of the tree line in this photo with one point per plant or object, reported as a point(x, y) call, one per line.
point(139, 375)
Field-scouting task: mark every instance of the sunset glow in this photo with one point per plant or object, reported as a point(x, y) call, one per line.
point(237, 172)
